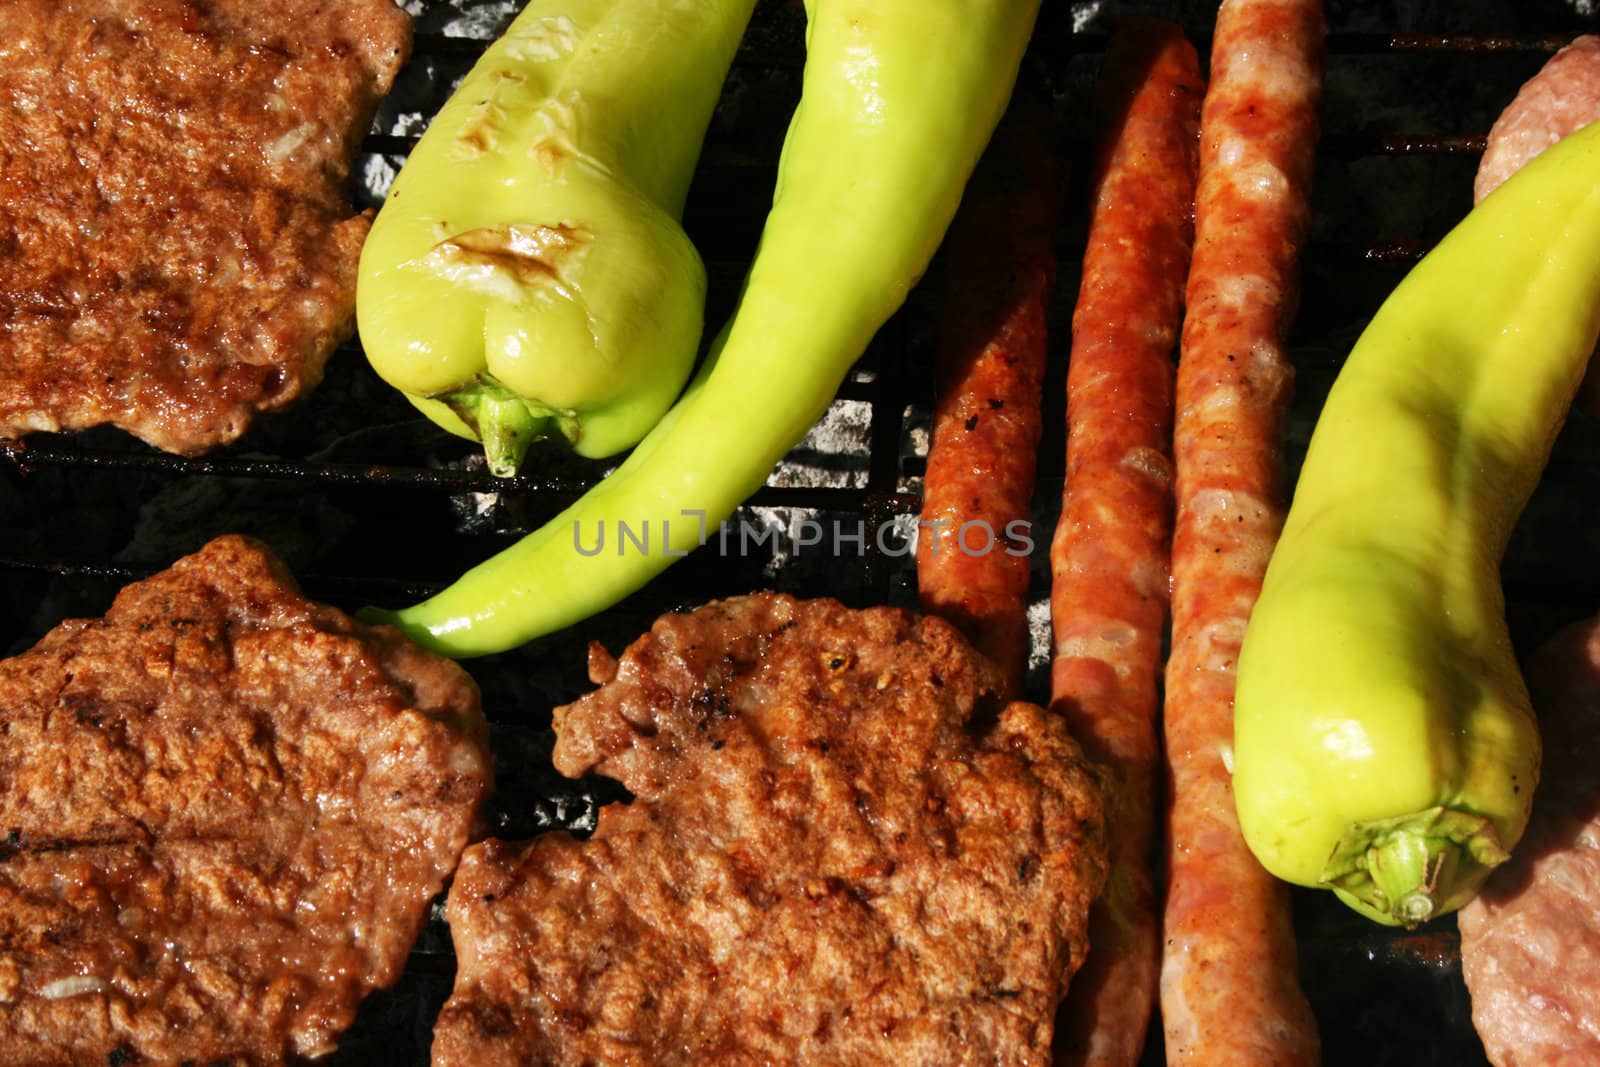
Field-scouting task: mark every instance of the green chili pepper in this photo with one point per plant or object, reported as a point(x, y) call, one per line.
point(528, 276)
point(898, 100)
point(1384, 743)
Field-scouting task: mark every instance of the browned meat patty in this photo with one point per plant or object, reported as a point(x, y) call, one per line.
point(224, 810)
point(1561, 99)
point(838, 854)
point(1530, 942)
point(176, 248)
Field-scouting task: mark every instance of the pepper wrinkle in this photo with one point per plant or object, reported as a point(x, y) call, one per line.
point(543, 40)
point(558, 143)
point(529, 255)
point(480, 138)
point(533, 237)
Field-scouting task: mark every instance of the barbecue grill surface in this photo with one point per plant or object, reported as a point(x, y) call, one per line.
point(369, 504)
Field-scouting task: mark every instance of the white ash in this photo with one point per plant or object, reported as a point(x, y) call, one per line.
point(772, 523)
point(482, 506)
point(916, 436)
point(792, 540)
point(1083, 15)
point(836, 454)
point(477, 19)
point(377, 174)
point(1039, 634)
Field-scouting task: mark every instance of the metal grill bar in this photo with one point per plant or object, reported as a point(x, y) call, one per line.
point(879, 494)
point(1348, 42)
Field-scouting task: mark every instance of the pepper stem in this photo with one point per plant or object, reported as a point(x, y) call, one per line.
point(505, 422)
point(1406, 870)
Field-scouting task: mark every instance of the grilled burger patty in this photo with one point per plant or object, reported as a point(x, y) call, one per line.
point(838, 853)
point(224, 810)
point(176, 248)
point(1530, 942)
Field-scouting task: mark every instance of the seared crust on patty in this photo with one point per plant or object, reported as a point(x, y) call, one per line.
point(841, 851)
point(176, 247)
point(224, 810)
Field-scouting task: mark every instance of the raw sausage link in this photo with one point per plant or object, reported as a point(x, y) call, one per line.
point(1108, 593)
point(1561, 99)
point(1229, 989)
point(1527, 938)
point(979, 481)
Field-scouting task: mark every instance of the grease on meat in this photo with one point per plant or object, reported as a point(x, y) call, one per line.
point(224, 810)
point(843, 850)
point(176, 248)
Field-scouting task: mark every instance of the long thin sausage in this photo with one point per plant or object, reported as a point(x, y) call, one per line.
point(972, 558)
point(1229, 988)
point(1109, 557)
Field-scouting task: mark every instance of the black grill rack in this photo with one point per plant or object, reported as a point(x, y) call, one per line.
point(369, 504)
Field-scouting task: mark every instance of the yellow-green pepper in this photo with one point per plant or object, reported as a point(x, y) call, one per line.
point(1384, 743)
point(899, 98)
point(527, 275)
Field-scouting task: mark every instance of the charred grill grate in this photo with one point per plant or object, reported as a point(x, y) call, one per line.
point(368, 503)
